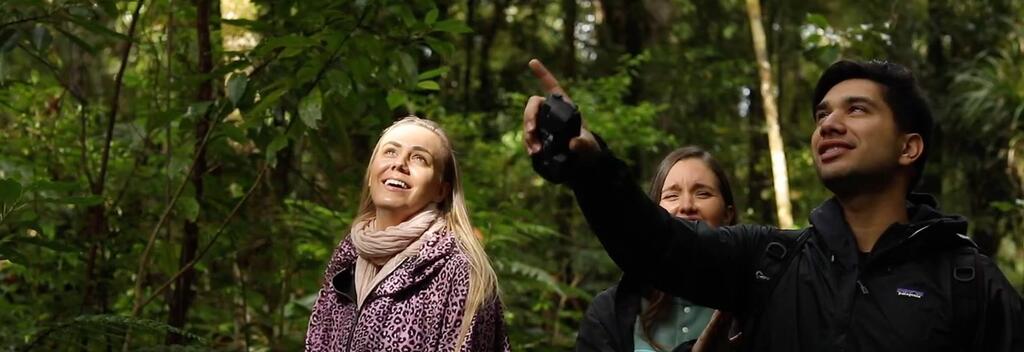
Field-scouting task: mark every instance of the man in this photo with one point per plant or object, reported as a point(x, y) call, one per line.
point(880, 268)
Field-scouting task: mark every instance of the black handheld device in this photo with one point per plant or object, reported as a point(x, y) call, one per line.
point(558, 121)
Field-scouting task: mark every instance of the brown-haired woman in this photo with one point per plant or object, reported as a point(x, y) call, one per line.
point(632, 316)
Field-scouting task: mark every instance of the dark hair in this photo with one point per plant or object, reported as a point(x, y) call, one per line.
point(900, 91)
point(659, 301)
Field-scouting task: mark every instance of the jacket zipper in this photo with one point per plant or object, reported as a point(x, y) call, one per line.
point(919, 231)
point(359, 310)
point(863, 289)
point(352, 331)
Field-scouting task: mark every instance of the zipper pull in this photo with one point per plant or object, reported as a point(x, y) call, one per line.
point(863, 289)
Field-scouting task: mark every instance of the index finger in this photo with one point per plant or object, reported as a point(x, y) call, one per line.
point(547, 80)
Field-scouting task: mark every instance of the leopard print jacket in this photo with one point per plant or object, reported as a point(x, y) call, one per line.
point(418, 307)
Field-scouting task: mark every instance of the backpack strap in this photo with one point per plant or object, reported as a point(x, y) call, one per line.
point(775, 260)
point(968, 292)
point(776, 257)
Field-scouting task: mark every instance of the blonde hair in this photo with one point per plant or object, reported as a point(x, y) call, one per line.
point(482, 279)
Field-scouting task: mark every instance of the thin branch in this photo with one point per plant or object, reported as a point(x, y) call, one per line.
point(256, 69)
point(127, 182)
point(334, 55)
point(85, 147)
point(317, 191)
point(56, 73)
point(216, 235)
point(115, 102)
point(23, 20)
point(136, 163)
point(144, 259)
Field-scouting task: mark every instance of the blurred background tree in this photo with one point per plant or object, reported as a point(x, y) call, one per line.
point(174, 174)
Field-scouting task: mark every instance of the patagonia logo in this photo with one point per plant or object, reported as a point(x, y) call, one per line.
point(909, 293)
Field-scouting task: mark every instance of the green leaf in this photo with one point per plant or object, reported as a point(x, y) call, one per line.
point(361, 68)
point(198, 109)
point(8, 253)
point(109, 7)
point(82, 201)
point(452, 26)
point(405, 14)
point(432, 73)
point(236, 87)
point(308, 72)
point(310, 108)
point(279, 142)
point(56, 246)
point(291, 52)
point(442, 47)
point(234, 132)
point(188, 207)
point(78, 41)
point(161, 119)
point(817, 20)
point(431, 17)
point(255, 26)
point(92, 26)
point(428, 85)
point(101, 323)
point(10, 191)
point(408, 65)
point(267, 100)
point(340, 84)
point(56, 186)
point(295, 42)
point(395, 99)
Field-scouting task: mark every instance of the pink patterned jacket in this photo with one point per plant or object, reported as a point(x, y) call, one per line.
point(418, 307)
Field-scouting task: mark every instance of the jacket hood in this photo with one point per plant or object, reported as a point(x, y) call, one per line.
point(927, 229)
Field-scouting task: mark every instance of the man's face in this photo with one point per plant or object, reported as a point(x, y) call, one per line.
point(857, 142)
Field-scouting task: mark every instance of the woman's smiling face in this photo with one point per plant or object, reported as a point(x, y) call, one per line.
point(406, 172)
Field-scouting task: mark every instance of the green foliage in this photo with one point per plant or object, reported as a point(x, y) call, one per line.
point(295, 114)
point(110, 327)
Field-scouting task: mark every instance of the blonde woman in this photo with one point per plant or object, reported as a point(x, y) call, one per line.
point(411, 275)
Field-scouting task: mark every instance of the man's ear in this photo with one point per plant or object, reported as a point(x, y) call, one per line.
point(913, 148)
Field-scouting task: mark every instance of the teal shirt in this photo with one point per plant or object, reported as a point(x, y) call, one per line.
point(683, 322)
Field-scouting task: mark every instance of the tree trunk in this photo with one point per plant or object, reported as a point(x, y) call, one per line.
point(96, 215)
point(636, 17)
point(182, 296)
point(487, 95)
point(937, 83)
point(757, 178)
point(569, 9)
point(780, 176)
point(467, 81)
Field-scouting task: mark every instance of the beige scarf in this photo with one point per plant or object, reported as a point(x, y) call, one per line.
point(381, 251)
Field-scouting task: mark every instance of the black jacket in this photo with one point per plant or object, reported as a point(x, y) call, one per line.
point(608, 324)
point(900, 298)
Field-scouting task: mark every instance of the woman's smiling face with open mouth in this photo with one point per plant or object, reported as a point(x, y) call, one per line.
point(406, 173)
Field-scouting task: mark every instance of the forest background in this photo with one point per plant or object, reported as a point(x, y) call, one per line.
point(174, 174)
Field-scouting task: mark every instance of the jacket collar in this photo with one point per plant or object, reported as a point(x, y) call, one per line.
point(928, 229)
point(432, 256)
